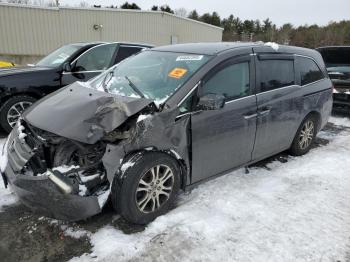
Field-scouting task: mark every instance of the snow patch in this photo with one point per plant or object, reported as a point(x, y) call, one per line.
point(126, 165)
point(3, 154)
point(175, 154)
point(7, 198)
point(102, 199)
point(74, 233)
point(142, 117)
point(82, 190)
point(20, 128)
point(273, 45)
point(21, 136)
point(64, 168)
point(85, 179)
point(340, 121)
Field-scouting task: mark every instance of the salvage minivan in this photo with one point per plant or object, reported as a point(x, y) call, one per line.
point(162, 121)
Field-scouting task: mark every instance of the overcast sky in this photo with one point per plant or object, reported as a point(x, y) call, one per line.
point(297, 12)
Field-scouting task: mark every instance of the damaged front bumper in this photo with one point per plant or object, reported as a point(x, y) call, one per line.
point(40, 193)
point(42, 196)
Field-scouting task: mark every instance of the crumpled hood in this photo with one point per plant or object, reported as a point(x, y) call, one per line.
point(81, 113)
point(9, 71)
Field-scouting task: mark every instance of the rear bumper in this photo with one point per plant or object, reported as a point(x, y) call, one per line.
point(341, 102)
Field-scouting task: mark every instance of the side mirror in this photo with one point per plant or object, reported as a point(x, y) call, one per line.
point(211, 102)
point(67, 67)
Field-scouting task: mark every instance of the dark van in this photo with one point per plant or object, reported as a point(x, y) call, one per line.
point(166, 119)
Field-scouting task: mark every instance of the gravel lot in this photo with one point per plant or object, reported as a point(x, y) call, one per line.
point(284, 209)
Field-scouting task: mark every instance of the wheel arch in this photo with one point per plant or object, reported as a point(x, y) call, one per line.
point(318, 117)
point(24, 93)
point(134, 155)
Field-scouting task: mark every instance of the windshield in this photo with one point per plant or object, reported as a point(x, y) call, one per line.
point(58, 56)
point(150, 74)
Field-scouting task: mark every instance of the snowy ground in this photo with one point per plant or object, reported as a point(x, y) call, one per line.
point(6, 197)
point(293, 211)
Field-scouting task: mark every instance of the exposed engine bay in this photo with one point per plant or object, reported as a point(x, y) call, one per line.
point(75, 168)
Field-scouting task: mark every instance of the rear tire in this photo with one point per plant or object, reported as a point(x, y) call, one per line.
point(149, 187)
point(14, 107)
point(305, 136)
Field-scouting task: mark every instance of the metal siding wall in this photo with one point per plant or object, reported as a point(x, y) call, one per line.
point(37, 31)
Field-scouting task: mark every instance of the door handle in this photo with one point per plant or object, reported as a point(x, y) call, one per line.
point(247, 117)
point(264, 111)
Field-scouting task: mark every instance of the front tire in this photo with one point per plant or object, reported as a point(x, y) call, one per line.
point(149, 188)
point(12, 109)
point(305, 136)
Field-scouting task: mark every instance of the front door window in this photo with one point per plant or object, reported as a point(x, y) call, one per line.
point(232, 82)
point(96, 59)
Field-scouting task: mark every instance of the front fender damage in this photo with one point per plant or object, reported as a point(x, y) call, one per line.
point(161, 131)
point(98, 132)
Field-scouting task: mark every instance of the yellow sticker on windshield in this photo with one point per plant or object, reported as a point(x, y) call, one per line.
point(177, 72)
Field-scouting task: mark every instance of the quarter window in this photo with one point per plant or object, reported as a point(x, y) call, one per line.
point(96, 59)
point(309, 71)
point(126, 51)
point(186, 105)
point(232, 82)
point(276, 74)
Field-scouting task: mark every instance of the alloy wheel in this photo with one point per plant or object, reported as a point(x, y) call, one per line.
point(16, 111)
point(154, 188)
point(306, 134)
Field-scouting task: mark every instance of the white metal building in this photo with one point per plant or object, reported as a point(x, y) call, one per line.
point(29, 32)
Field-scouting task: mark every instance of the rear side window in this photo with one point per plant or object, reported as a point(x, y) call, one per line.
point(276, 74)
point(231, 81)
point(125, 52)
point(309, 71)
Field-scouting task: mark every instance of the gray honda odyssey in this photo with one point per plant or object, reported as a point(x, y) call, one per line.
point(164, 120)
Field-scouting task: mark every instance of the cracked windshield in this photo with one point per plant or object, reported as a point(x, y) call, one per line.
point(150, 74)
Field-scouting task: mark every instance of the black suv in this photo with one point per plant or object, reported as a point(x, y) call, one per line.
point(337, 60)
point(22, 86)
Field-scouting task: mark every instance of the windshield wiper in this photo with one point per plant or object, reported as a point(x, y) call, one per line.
point(132, 85)
point(105, 82)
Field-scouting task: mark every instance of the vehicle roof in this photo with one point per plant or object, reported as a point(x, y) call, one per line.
point(81, 44)
point(218, 47)
point(205, 48)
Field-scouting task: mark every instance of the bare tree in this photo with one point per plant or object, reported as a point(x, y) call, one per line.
point(84, 4)
point(181, 12)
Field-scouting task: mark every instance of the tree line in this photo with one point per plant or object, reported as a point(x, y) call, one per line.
point(311, 36)
point(235, 29)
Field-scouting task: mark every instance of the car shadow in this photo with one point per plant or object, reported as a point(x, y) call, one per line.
point(3, 134)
